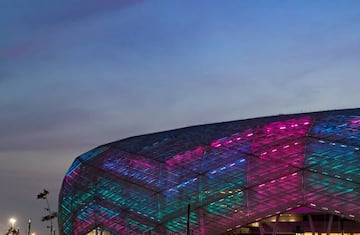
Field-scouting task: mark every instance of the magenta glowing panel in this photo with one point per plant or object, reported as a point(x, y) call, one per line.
point(231, 174)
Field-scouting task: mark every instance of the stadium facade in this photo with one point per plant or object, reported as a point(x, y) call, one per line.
point(231, 174)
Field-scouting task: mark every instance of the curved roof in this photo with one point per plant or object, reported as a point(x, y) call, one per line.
point(231, 174)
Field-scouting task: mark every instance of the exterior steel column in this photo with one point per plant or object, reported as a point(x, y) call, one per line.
point(261, 228)
point(311, 224)
point(202, 222)
point(276, 224)
point(188, 220)
point(330, 224)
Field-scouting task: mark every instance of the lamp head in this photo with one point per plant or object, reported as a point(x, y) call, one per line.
point(12, 221)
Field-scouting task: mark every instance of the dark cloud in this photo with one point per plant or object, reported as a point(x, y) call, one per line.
point(345, 51)
point(87, 9)
point(21, 49)
point(58, 17)
point(31, 129)
point(49, 126)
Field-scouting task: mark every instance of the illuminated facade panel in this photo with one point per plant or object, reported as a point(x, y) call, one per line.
point(231, 174)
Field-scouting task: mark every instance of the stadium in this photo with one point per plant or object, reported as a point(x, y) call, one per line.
point(283, 174)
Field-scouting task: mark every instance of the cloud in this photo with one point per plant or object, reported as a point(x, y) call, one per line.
point(42, 29)
point(19, 50)
point(345, 51)
point(87, 9)
point(23, 128)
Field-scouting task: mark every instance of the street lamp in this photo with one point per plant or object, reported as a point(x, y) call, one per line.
point(12, 230)
point(12, 221)
point(29, 226)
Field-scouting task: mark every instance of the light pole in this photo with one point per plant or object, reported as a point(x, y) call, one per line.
point(29, 226)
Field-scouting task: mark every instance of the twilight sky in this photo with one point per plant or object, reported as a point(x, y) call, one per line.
point(75, 74)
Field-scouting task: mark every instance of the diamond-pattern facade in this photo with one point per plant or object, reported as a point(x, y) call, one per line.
point(231, 174)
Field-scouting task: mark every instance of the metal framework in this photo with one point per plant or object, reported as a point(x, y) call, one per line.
point(231, 174)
